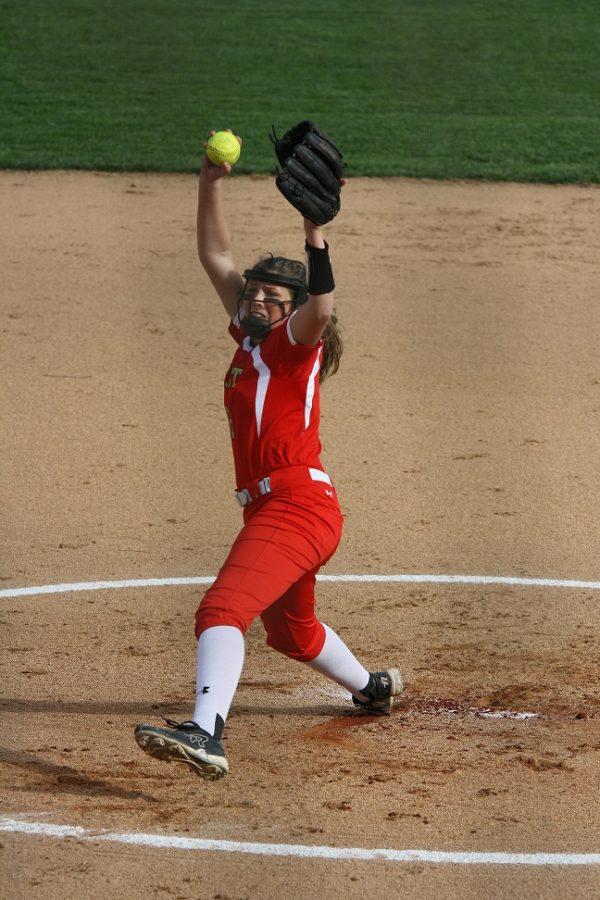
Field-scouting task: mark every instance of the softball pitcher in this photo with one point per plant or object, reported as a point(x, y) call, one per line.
point(287, 342)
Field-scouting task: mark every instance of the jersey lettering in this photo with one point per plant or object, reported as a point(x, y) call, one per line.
point(230, 421)
point(232, 376)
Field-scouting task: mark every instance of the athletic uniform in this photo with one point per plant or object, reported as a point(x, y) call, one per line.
point(292, 518)
point(292, 525)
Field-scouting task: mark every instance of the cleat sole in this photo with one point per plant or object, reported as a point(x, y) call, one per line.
point(167, 750)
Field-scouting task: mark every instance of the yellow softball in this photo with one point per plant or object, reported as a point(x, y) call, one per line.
point(223, 147)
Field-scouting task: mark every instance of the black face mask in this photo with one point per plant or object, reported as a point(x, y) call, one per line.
point(258, 328)
point(255, 327)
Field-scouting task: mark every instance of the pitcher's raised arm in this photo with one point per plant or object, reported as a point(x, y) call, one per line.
point(214, 240)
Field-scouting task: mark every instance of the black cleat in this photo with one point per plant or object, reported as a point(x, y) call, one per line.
point(381, 689)
point(187, 743)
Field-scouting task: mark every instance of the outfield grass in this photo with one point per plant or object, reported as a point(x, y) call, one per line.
point(427, 88)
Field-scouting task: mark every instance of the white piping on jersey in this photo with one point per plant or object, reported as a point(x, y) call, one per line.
point(246, 345)
point(264, 376)
point(310, 390)
point(289, 329)
point(318, 475)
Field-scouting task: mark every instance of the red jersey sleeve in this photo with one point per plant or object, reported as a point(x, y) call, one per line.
point(286, 356)
point(235, 331)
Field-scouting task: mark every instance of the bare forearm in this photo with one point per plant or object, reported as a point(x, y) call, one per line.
point(314, 234)
point(310, 320)
point(213, 234)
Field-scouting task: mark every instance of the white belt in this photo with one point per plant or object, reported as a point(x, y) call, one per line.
point(244, 497)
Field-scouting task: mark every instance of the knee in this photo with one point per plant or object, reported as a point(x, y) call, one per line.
point(300, 639)
point(214, 609)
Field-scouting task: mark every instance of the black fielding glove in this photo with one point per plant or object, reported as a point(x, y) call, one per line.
point(311, 175)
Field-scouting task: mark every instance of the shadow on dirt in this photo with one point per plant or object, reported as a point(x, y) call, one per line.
point(65, 778)
point(140, 711)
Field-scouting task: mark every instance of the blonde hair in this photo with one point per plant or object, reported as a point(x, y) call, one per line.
point(332, 341)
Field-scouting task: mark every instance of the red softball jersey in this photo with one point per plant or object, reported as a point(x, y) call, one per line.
point(272, 403)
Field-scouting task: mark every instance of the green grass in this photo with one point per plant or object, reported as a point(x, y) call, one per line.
point(426, 88)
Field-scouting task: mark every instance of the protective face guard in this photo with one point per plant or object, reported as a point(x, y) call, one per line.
point(254, 326)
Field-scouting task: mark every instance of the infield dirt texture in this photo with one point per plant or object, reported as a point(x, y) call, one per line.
point(462, 433)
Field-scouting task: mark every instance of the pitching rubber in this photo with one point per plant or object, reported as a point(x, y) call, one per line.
point(168, 750)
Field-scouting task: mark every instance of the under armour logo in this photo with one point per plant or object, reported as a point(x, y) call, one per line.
point(205, 689)
point(385, 680)
point(329, 493)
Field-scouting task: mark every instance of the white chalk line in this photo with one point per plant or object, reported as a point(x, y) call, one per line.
point(175, 842)
point(297, 850)
point(381, 579)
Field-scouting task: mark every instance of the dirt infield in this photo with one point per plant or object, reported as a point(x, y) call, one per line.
point(463, 436)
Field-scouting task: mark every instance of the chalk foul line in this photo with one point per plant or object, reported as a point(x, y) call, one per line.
point(175, 842)
point(381, 579)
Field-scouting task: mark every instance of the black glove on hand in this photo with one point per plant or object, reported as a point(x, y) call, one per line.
point(312, 171)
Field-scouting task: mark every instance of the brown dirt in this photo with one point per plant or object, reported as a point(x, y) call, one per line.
point(462, 434)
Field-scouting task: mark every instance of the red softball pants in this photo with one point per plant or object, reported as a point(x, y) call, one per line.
point(271, 569)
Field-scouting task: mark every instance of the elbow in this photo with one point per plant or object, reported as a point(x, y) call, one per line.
point(321, 307)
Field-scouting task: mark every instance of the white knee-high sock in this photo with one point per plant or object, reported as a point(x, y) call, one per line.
point(219, 666)
point(337, 662)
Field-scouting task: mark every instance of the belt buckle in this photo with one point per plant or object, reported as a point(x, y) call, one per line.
point(264, 486)
point(243, 497)
point(257, 489)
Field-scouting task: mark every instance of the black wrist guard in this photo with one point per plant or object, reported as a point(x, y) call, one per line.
point(320, 276)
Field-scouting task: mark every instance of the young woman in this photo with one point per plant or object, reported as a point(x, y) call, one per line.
point(287, 342)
